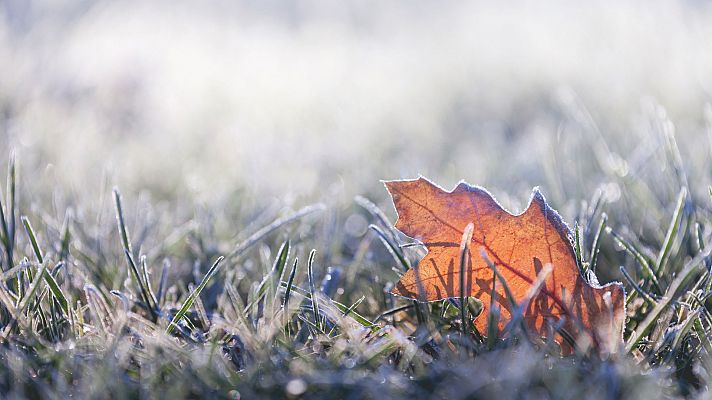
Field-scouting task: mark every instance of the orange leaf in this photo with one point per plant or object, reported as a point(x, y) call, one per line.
point(520, 246)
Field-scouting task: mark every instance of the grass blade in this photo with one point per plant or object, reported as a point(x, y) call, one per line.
point(5, 234)
point(652, 318)
point(353, 306)
point(47, 276)
point(464, 258)
point(376, 212)
point(57, 292)
point(66, 237)
point(290, 283)
point(671, 233)
point(121, 222)
point(392, 248)
point(147, 282)
point(684, 328)
point(257, 236)
point(143, 292)
point(33, 239)
point(578, 249)
point(126, 243)
point(34, 285)
point(636, 287)
point(642, 260)
point(271, 280)
point(195, 293)
point(343, 308)
point(287, 293)
point(312, 288)
point(595, 246)
point(9, 219)
point(162, 282)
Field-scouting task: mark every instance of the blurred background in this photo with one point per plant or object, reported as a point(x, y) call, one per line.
point(268, 103)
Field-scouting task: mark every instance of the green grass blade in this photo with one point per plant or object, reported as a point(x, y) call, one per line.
point(312, 288)
point(57, 292)
point(642, 260)
point(635, 286)
point(12, 273)
point(708, 262)
point(147, 282)
point(12, 206)
point(142, 290)
point(4, 234)
point(51, 282)
point(392, 247)
point(271, 280)
point(195, 293)
point(393, 311)
point(162, 282)
point(33, 239)
point(343, 308)
point(66, 237)
point(464, 259)
point(652, 318)
point(492, 326)
point(34, 285)
point(671, 233)
point(279, 222)
point(287, 294)
point(353, 306)
point(703, 336)
point(595, 246)
point(578, 249)
point(684, 329)
point(290, 284)
point(280, 262)
point(126, 243)
point(121, 222)
point(238, 305)
point(372, 209)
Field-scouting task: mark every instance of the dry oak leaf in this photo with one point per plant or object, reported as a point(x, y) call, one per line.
point(519, 246)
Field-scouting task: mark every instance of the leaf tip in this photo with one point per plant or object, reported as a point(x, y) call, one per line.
point(537, 197)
